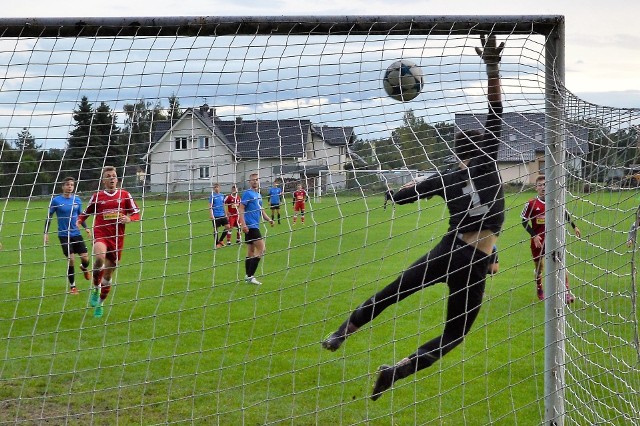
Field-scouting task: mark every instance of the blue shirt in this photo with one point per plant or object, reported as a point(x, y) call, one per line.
point(274, 195)
point(252, 202)
point(217, 204)
point(67, 210)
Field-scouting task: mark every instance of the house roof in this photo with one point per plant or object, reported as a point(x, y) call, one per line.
point(523, 135)
point(252, 139)
point(336, 136)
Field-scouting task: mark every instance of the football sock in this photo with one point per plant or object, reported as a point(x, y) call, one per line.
point(104, 290)
point(85, 264)
point(253, 265)
point(71, 275)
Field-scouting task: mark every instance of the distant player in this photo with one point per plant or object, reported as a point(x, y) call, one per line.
point(494, 264)
point(299, 201)
point(66, 207)
point(275, 197)
point(250, 211)
point(232, 201)
point(388, 197)
point(218, 216)
point(533, 222)
point(113, 209)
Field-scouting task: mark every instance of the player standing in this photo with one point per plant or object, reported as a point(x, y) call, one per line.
point(113, 209)
point(66, 207)
point(533, 222)
point(299, 200)
point(218, 215)
point(275, 197)
point(250, 211)
point(232, 201)
point(472, 190)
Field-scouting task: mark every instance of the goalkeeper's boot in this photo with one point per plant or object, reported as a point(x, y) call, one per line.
point(337, 338)
point(99, 311)
point(386, 377)
point(94, 297)
point(73, 290)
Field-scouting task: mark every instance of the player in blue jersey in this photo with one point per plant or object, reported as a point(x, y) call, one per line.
point(218, 215)
point(66, 207)
point(275, 197)
point(250, 212)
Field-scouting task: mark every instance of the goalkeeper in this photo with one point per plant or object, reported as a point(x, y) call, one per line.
point(473, 192)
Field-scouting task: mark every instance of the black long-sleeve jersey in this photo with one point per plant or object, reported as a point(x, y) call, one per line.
point(474, 196)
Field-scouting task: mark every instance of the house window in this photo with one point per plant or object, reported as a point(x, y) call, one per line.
point(203, 142)
point(541, 167)
point(181, 143)
point(204, 172)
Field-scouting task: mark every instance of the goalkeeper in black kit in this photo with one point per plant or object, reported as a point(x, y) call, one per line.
point(473, 193)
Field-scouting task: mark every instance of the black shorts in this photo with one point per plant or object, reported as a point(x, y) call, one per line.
point(220, 221)
point(72, 245)
point(253, 235)
point(275, 206)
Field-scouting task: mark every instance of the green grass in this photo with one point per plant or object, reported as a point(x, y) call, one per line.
point(185, 340)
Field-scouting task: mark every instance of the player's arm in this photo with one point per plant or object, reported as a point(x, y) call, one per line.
point(265, 216)
point(241, 222)
point(132, 212)
point(490, 53)
point(47, 224)
point(414, 190)
point(91, 209)
point(576, 230)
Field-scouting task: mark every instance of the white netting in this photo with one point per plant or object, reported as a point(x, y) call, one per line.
point(177, 105)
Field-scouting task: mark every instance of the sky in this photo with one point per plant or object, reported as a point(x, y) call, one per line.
point(602, 58)
point(602, 38)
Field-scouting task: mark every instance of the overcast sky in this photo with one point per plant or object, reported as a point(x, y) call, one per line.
point(602, 38)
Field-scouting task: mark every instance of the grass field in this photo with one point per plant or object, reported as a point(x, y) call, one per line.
point(185, 341)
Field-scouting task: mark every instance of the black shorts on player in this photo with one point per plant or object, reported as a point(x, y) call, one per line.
point(72, 245)
point(220, 221)
point(253, 235)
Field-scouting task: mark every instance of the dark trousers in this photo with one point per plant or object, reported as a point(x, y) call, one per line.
point(451, 261)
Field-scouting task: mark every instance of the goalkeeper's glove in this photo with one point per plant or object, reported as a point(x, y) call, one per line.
point(490, 54)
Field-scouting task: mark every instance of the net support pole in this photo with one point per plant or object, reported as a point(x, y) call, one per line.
point(554, 383)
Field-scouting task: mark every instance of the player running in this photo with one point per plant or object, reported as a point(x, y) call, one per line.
point(218, 215)
point(299, 202)
point(232, 201)
point(113, 209)
point(472, 190)
point(533, 222)
point(66, 207)
point(275, 197)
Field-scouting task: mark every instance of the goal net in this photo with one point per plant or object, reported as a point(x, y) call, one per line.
point(177, 105)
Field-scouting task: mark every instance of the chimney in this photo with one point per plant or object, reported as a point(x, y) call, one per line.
point(204, 108)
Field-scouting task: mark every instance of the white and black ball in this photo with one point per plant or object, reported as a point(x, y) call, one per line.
point(403, 80)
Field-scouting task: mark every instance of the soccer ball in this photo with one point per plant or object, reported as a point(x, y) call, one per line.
point(403, 80)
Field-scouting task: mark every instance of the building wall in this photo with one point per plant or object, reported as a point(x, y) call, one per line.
point(193, 168)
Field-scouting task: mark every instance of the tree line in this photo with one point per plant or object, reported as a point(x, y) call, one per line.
point(95, 140)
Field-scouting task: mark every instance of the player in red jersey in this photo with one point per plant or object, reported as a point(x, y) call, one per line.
point(113, 209)
point(533, 222)
point(299, 199)
point(231, 201)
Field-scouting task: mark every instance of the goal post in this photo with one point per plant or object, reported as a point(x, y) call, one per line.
point(180, 104)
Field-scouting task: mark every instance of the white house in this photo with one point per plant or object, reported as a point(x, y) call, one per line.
point(198, 149)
